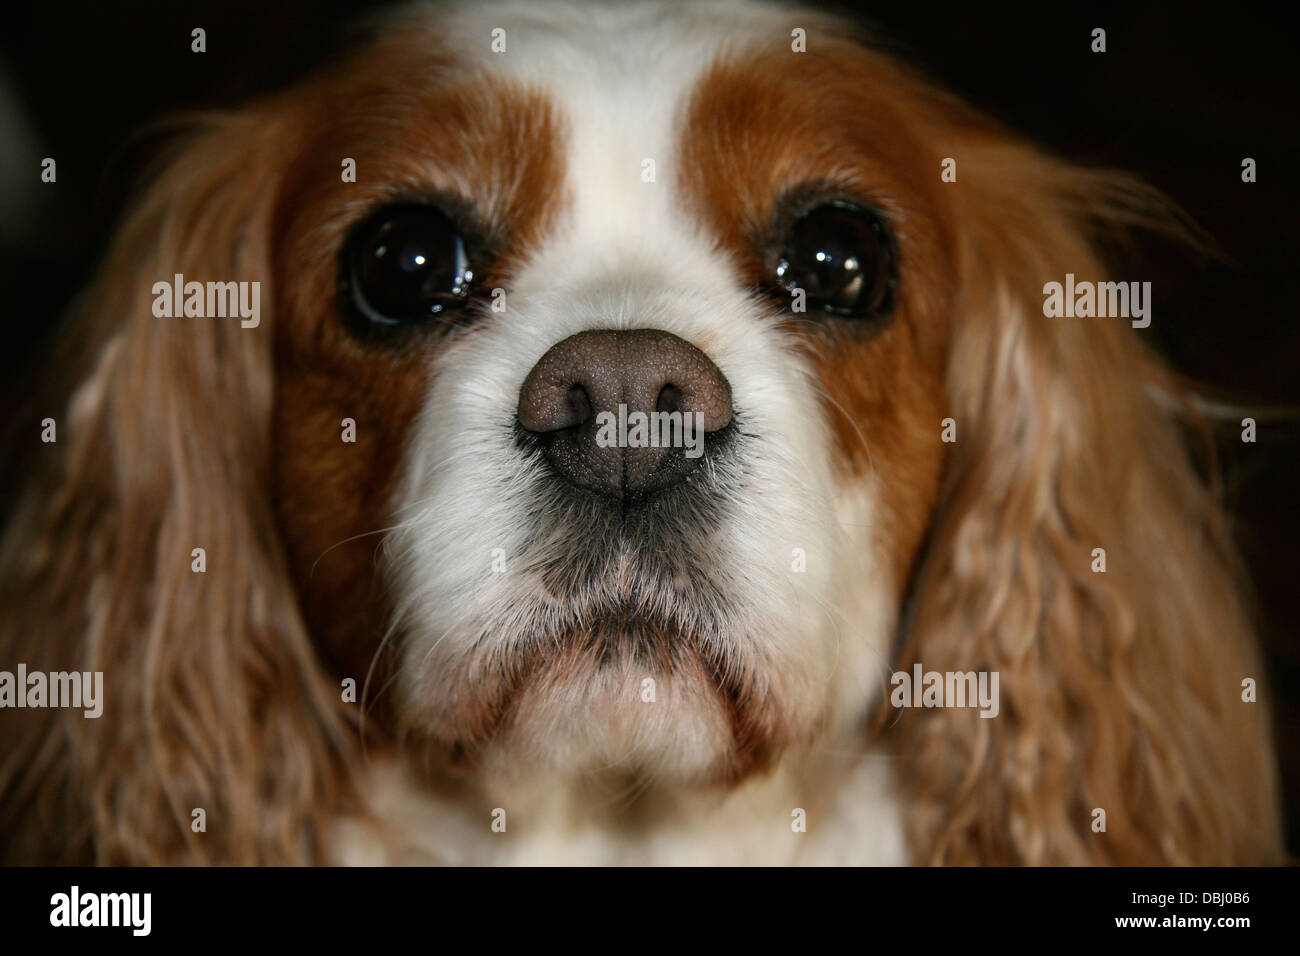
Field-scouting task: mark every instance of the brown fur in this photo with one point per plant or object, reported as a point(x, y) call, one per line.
point(213, 697)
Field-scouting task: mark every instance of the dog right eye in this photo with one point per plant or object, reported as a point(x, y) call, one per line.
point(403, 265)
point(842, 255)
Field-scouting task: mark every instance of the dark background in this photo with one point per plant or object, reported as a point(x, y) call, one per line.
point(1180, 96)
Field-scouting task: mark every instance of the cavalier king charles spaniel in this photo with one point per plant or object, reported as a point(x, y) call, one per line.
point(395, 571)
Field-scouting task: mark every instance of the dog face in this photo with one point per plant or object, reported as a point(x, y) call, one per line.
point(648, 227)
point(500, 248)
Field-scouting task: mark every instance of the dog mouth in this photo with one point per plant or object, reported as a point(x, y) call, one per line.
point(646, 683)
point(653, 565)
point(645, 658)
point(617, 632)
point(642, 573)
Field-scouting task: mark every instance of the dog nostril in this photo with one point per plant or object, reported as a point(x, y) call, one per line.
point(671, 399)
point(578, 407)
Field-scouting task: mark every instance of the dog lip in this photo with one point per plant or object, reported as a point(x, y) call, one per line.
point(618, 623)
point(629, 595)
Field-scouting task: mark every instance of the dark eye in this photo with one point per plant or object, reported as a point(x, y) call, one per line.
point(843, 257)
point(402, 265)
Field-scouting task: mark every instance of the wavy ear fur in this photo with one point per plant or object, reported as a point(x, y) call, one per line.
point(212, 695)
point(1120, 691)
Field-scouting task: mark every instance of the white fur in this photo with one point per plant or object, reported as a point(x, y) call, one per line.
point(627, 254)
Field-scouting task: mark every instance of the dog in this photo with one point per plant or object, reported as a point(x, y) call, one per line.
point(373, 578)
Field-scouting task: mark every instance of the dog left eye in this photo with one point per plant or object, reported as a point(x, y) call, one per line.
point(841, 255)
point(404, 264)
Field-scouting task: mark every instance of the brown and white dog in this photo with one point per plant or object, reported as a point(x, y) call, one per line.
point(567, 650)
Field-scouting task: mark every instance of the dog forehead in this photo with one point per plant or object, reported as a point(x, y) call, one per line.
point(607, 47)
point(620, 79)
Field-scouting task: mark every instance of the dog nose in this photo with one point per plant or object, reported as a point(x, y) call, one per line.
point(582, 396)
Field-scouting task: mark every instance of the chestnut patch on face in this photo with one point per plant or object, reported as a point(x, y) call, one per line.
point(419, 132)
point(765, 129)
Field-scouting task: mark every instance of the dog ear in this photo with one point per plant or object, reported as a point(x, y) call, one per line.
point(1120, 682)
point(213, 699)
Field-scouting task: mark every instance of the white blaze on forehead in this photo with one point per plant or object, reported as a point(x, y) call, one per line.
point(619, 75)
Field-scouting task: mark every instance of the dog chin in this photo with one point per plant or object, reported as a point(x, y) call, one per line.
point(621, 717)
point(624, 695)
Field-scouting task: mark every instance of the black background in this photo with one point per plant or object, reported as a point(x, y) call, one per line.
point(342, 909)
point(1180, 96)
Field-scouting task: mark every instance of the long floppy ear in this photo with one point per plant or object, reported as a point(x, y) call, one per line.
point(1120, 690)
point(212, 698)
